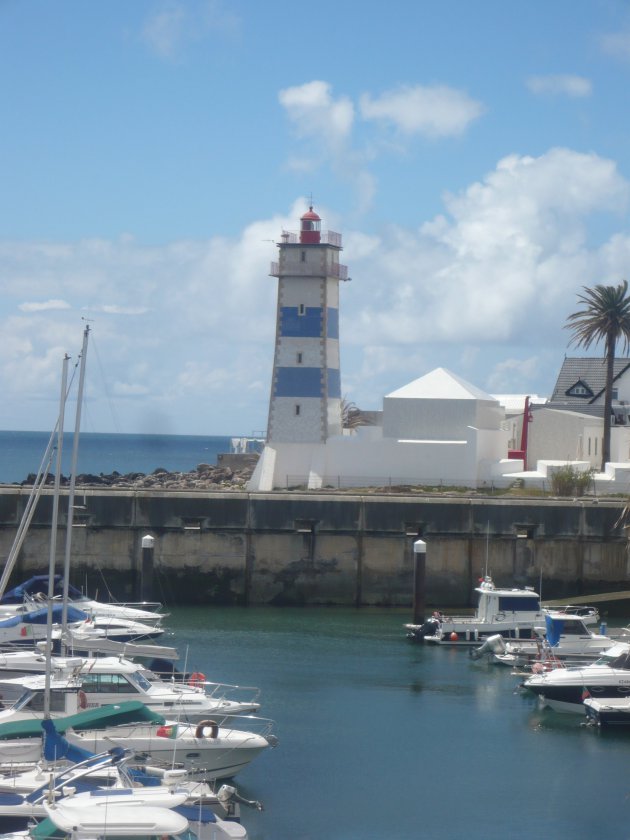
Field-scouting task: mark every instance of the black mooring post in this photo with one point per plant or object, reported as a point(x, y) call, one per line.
point(419, 575)
point(146, 569)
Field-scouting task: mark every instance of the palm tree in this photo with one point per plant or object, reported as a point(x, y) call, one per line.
point(350, 415)
point(605, 316)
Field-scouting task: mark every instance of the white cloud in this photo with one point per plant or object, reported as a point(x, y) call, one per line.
point(484, 289)
point(126, 389)
point(164, 30)
point(617, 44)
point(175, 24)
point(114, 309)
point(43, 306)
point(432, 110)
point(507, 371)
point(560, 85)
point(316, 114)
point(501, 267)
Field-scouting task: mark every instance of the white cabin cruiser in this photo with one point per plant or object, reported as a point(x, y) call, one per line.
point(564, 689)
point(511, 613)
point(111, 679)
point(61, 765)
point(206, 751)
point(564, 637)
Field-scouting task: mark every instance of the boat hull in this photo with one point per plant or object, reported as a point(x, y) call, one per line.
point(564, 690)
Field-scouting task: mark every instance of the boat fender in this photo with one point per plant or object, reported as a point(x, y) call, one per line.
point(82, 699)
point(201, 727)
point(196, 679)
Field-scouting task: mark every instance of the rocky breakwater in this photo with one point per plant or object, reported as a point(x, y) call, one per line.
point(203, 477)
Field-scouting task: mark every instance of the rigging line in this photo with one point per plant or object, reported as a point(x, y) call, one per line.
point(110, 403)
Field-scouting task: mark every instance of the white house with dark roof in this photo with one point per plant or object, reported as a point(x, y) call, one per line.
point(569, 427)
point(581, 384)
point(437, 430)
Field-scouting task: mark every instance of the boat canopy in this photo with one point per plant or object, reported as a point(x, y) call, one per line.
point(118, 714)
point(36, 584)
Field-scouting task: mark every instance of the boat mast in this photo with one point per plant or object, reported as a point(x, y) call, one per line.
point(29, 510)
point(53, 537)
point(73, 476)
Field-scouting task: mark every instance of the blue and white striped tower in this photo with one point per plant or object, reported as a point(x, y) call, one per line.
point(305, 404)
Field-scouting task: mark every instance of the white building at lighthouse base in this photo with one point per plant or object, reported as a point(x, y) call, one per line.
point(438, 430)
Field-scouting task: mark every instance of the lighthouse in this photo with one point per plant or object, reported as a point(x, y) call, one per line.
point(305, 402)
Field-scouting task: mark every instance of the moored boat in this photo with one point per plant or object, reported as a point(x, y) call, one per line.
point(564, 638)
point(511, 613)
point(564, 689)
point(613, 711)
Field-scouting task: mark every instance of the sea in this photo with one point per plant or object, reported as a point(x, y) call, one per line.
point(21, 453)
point(378, 738)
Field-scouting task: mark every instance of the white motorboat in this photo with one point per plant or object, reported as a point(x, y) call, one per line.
point(564, 689)
point(511, 613)
point(106, 770)
point(206, 750)
point(111, 679)
point(33, 592)
point(142, 814)
point(611, 711)
point(564, 637)
point(26, 629)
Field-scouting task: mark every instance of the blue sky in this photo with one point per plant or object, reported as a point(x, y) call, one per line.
point(475, 157)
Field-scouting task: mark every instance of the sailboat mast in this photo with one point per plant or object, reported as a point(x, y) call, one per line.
point(71, 491)
point(53, 537)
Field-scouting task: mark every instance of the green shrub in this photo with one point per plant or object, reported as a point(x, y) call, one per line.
point(569, 481)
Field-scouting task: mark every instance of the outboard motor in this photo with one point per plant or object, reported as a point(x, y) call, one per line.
point(493, 644)
point(431, 627)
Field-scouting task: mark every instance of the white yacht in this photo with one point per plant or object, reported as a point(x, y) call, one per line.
point(110, 679)
point(564, 689)
point(511, 613)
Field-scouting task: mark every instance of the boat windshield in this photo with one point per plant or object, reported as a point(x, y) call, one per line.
point(140, 680)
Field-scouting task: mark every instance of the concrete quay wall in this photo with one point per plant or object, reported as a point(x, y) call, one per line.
point(289, 548)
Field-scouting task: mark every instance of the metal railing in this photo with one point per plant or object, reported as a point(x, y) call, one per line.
point(327, 237)
point(306, 270)
point(461, 487)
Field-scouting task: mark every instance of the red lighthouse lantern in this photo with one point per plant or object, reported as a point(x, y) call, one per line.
point(310, 228)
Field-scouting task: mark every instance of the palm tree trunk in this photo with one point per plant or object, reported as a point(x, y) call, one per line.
point(610, 366)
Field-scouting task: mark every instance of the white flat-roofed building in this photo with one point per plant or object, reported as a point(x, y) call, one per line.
point(438, 429)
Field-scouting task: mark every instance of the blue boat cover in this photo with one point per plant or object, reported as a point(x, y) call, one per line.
point(11, 622)
point(56, 747)
point(41, 616)
point(36, 584)
point(196, 814)
point(555, 626)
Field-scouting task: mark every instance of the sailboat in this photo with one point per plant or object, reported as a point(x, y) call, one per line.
point(112, 622)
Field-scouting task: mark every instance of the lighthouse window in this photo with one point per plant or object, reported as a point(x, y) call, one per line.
point(301, 309)
point(297, 410)
point(299, 358)
point(302, 256)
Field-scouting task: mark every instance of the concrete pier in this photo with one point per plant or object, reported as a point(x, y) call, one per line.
point(287, 548)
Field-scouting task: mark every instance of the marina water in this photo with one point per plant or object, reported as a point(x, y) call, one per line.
point(383, 739)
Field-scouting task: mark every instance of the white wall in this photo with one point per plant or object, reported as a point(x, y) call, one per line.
point(564, 435)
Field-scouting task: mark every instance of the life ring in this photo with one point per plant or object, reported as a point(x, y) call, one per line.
point(197, 678)
point(500, 616)
point(82, 699)
point(203, 725)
